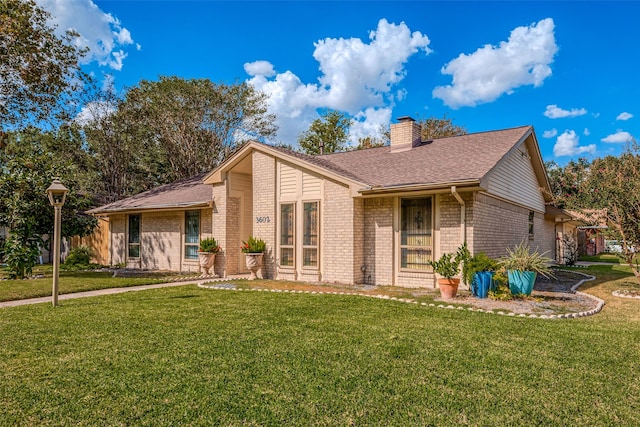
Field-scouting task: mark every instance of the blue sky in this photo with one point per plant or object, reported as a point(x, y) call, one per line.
point(568, 68)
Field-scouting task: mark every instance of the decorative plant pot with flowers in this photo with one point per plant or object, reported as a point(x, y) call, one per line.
point(447, 267)
point(207, 254)
point(253, 250)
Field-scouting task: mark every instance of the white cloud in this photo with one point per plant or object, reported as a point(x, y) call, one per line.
point(259, 68)
point(586, 132)
point(492, 71)
point(555, 112)
point(356, 77)
point(618, 137)
point(550, 133)
point(624, 116)
point(94, 112)
point(99, 31)
point(568, 144)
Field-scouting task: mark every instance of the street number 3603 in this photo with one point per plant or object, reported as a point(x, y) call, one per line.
point(262, 219)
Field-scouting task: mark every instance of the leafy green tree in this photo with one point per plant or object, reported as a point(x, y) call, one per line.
point(39, 71)
point(119, 158)
point(566, 182)
point(188, 127)
point(434, 128)
point(29, 161)
point(611, 190)
point(327, 134)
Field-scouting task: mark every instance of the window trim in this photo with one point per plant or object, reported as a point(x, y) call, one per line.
point(184, 240)
point(401, 247)
point(129, 242)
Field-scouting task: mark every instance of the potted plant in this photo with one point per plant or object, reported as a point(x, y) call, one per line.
point(478, 272)
point(207, 253)
point(253, 250)
point(447, 267)
point(522, 267)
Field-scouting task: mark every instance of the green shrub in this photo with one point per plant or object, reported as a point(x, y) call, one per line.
point(80, 255)
point(478, 262)
point(21, 256)
point(253, 246)
point(209, 245)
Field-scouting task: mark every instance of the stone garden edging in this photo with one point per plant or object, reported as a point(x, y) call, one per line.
point(622, 294)
point(214, 284)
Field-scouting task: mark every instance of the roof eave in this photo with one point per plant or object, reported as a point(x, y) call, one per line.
point(161, 207)
point(461, 185)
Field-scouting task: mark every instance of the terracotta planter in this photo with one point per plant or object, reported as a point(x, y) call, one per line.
point(254, 263)
point(207, 259)
point(448, 287)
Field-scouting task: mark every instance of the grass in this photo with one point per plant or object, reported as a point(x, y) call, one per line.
point(192, 356)
point(603, 257)
point(70, 281)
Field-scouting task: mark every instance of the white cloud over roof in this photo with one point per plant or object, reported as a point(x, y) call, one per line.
point(99, 31)
point(568, 144)
point(618, 137)
point(624, 116)
point(555, 112)
point(491, 71)
point(550, 133)
point(357, 77)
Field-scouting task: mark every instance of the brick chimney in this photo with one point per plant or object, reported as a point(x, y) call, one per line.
point(405, 134)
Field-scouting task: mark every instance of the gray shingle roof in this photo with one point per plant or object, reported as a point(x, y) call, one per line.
point(453, 159)
point(441, 161)
point(190, 192)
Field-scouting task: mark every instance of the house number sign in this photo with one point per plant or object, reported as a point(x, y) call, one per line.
point(262, 219)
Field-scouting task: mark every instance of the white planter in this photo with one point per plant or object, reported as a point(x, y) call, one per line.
point(254, 263)
point(207, 259)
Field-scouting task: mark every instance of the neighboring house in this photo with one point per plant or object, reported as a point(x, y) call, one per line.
point(374, 216)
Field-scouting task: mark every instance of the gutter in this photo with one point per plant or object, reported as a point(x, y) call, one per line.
point(470, 184)
point(463, 214)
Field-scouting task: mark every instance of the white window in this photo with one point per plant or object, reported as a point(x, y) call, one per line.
point(287, 234)
point(310, 234)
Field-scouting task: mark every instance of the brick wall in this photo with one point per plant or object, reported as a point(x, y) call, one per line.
point(118, 241)
point(219, 228)
point(498, 225)
point(264, 206)
point(338, 234)
point(160, 240)
point(378, 241)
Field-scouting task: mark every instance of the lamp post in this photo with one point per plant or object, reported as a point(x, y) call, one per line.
point(57, 194)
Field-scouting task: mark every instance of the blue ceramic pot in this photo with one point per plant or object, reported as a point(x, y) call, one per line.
point(481, 283)
point(521, 282)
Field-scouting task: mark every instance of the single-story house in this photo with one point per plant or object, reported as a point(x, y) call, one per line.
point(372, 216)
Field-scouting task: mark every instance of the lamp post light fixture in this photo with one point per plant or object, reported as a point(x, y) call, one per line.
point(57, 194)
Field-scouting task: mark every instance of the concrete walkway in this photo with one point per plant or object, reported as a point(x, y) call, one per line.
point(111, 291)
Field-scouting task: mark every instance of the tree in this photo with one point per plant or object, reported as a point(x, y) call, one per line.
point(434, 128)
point(327, 134)
point(39, 71)
point(117, 167)
point(28, 164)
point(190, 126)
point(612, 190)
point(566, 182)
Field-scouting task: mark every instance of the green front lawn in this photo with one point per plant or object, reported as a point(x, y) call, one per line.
point(192, 356)
point(70, 281)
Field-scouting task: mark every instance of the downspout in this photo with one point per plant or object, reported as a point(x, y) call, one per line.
point(463, 212)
